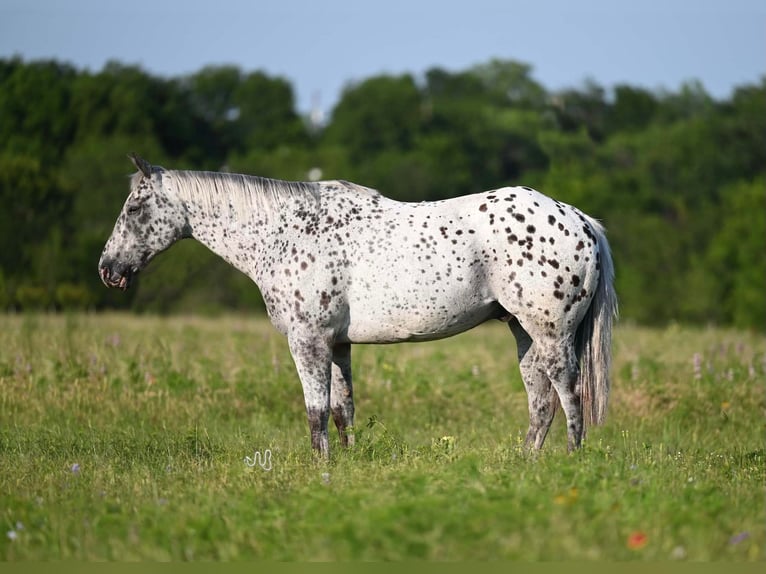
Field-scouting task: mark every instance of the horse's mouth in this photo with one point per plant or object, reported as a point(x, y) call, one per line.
point(117, 280)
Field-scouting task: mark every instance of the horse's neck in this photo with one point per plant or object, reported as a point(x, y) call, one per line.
point(242, 239)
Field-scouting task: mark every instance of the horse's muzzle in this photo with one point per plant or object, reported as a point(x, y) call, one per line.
point(113, 276)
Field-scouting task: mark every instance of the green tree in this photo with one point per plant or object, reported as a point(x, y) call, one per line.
point(737, 257)
point(35, 210)
point(633, 109)
point(510, 82)
point(265, 113)
point(212, 95)
point(35, 108)
point(584, 108)
point(383, 113)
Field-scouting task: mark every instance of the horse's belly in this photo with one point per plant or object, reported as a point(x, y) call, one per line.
point(400, 323)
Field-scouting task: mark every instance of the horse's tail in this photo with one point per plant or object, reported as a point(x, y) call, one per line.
point(593, 344)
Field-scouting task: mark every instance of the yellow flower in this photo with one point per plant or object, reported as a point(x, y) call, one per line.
point(566, 499)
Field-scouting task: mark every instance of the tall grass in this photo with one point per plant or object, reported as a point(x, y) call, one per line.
point(124, 438)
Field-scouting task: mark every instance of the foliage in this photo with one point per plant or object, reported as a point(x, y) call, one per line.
point(675, 176)
point(737, 257)
point(129, 435)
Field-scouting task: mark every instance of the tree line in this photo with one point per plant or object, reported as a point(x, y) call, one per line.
point(677, 177)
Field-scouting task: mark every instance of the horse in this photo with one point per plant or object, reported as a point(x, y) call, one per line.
point(338, 263)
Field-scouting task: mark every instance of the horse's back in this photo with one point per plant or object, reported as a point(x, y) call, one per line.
point(435, 268)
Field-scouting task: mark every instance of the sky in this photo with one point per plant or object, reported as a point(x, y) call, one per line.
point(322, 46)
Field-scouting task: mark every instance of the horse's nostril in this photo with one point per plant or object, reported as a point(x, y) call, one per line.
point(104, 273)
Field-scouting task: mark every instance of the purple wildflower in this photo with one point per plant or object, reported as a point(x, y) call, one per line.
point(737, 538)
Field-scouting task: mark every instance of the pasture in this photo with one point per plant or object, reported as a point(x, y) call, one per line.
point(124, 438)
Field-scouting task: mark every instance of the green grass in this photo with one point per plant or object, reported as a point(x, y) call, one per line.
point(124, 438)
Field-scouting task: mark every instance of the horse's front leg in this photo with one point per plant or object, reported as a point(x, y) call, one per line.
point(342, 393)
point(313, 360)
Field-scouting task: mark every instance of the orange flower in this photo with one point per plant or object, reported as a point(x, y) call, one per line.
point(637, 540)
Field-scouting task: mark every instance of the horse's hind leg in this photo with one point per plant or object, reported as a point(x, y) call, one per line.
point(541, 396)
point(342, 393)
point(557, 357)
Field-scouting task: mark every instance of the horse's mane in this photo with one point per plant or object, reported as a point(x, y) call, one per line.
point(243, 194)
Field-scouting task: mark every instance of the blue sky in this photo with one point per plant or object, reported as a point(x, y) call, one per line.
point(321, 46)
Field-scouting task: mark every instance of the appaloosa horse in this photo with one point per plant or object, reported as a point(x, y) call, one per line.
point(338, 263)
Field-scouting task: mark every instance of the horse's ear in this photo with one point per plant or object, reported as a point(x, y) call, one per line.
point(141, 164)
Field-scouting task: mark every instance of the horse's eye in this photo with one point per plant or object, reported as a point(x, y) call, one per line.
point(133, 209)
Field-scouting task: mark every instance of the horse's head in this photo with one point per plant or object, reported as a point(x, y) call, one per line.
point(150, 221)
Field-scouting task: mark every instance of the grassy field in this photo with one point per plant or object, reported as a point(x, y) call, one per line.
point(124, 438)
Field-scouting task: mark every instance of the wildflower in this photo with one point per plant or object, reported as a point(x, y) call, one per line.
point(14, 533)
point(679, 553)
point(326, 477)
point(697, 366)
point(566, 499)
point(637, 540)
point(75, 468)
point(737, 538)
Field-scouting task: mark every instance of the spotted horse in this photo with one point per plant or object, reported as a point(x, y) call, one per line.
point(338, 263)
